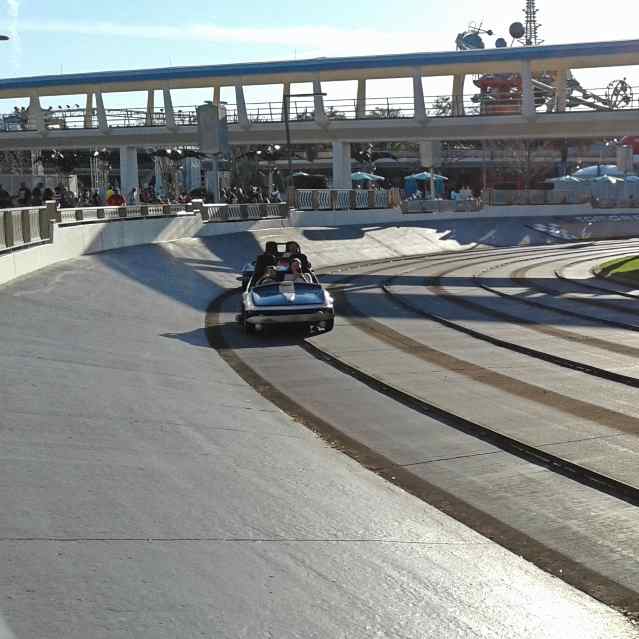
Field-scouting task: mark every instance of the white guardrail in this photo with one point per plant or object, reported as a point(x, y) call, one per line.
point(344, 199)
point(30, 226)
point(24, 227)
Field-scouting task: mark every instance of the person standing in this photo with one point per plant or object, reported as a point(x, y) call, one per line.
point(24, 195)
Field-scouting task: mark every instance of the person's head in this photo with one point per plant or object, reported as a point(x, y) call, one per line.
point(270, 272)
point(271, 248)
point(296, 266)
point(292, 247)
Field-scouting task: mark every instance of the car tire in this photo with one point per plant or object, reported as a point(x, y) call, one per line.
point(329, 325)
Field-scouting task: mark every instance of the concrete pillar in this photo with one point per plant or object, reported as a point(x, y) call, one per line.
point(429, 153)
point(217, 95)
point(128, 169)
point(88, 111)
point(458, 95)
point(286, 89)
point(418, 96)
point(360, 106)
point(561, 90)
point(318, 103)
point(157, 172)
point(103, 125)
point(527, 92)
point(36, 116)
point(192, 174)
point(169, 114)
point(240, 105)
point(342, 165)
point(150, 107)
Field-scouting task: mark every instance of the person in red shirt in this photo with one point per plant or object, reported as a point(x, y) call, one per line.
point(116, 199)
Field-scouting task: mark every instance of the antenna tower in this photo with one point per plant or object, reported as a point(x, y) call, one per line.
point(532, 26)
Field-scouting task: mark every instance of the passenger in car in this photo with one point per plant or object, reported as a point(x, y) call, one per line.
point(295, 252)
point(296, 274)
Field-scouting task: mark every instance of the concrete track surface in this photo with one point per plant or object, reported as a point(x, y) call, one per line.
point(149, 491)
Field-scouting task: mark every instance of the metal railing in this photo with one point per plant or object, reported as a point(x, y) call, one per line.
point(239, 212)
point(496, 197)
point(302, 109)
point(77, 215)
point(24, 227)
point(470, 205)
point(345, 199)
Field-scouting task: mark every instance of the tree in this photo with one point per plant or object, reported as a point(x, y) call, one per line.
point(442, 107)
point(381, 113)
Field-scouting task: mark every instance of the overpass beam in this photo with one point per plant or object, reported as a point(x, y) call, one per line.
point(88, 111)
point(169, 114)
point(318, 104)
point(103, 124)
point(36, 115)
point(150, 107)
point(360, 105)
point(561, 93)
point(128, 169)
point(240, 104)
point(418, 99)
point(527, 91)
point(342, 165)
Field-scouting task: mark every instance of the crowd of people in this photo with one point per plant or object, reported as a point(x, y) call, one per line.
point(251, 195)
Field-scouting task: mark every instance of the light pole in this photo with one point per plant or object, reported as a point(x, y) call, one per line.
point(286, 104)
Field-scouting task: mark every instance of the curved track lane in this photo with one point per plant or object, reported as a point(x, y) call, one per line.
point(524, 439)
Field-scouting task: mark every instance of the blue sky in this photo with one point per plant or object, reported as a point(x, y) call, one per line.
point(83, 35)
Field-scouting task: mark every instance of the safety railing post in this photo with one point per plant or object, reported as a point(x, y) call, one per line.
point(8, 228)
point(25, 220)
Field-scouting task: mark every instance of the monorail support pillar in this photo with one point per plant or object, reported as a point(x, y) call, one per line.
point(128, 169)
point(342, 165)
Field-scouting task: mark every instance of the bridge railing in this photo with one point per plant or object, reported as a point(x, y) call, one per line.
point(303, 109)
point(499, 197)
point(239, 212)
point(24, 227)
point(345, 199)
point(442, 206)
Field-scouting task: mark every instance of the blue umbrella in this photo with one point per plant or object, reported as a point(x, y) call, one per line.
point(425, 176)
point(360, 176)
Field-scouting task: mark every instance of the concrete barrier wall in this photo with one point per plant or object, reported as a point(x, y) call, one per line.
point(73, 240)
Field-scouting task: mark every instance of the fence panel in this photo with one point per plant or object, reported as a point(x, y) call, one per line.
point(15, 222)
point(324, 199)
point(304, 199)
point(381, 199)
point(3, 239)
point(111, 213)
point(361, 199)
point(34, 225)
